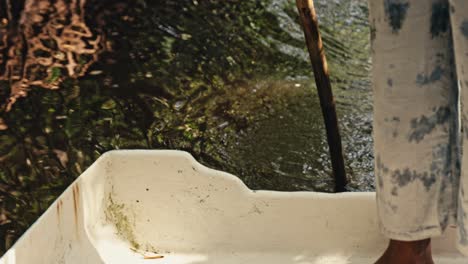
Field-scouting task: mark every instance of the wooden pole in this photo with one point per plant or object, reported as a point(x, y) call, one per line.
point(319, 64)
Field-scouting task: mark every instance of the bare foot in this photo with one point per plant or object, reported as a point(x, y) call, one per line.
point(407, 252)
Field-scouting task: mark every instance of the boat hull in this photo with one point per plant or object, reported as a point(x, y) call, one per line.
point(161, 206)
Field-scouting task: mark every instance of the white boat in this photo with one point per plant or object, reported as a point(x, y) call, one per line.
point(149, 206)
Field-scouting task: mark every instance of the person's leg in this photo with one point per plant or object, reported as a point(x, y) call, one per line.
point(404, 252)
point(415, 116)
point(459, 19)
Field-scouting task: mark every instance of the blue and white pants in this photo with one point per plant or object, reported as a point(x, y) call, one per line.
point(420, 80)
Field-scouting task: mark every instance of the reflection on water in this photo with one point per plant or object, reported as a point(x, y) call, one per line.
point(48, 42)
point(228, 81)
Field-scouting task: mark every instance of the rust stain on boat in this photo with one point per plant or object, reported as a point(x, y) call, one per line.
point(76, 205)
point(58, 211)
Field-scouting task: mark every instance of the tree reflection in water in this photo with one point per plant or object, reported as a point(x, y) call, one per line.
point(228, 81)
point(49, 42)
point(42, 44)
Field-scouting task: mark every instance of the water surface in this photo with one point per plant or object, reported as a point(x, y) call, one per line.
point(228, 81)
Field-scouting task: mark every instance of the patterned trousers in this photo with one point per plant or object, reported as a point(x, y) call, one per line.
point(420, 55)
